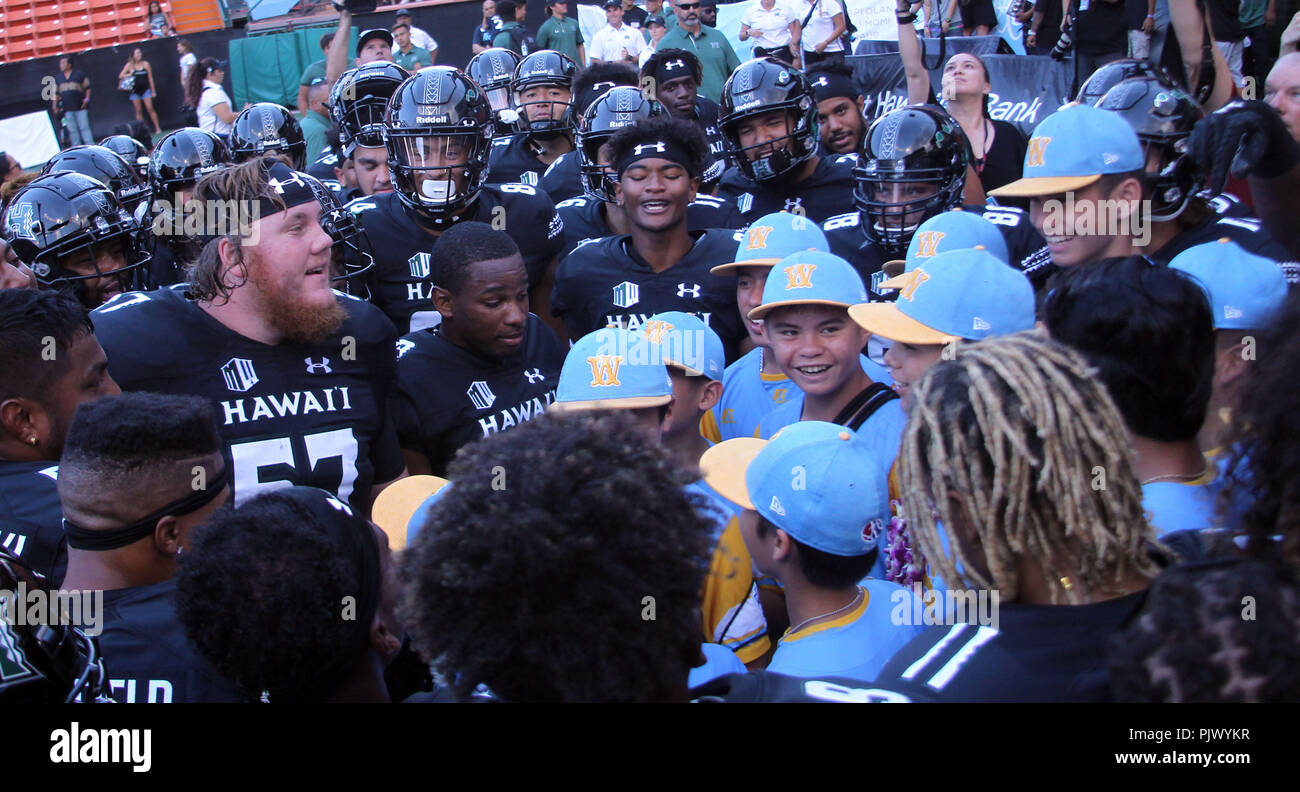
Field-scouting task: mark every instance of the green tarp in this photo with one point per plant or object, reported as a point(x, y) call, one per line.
point(267, 68)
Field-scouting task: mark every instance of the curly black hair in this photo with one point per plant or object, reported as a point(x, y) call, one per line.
point(461, 247)
point(1265, 456)
point(1213, 631)
point(823, 569)
point(260, 592)
point(682, 134)
point(134, 430)
point(565, 563)
point(27, 318)
point(598, 78)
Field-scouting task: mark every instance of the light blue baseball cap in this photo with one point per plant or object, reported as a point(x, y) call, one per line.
point(1245, 290)
point(612, 369)
point(952, 230)
point(686, 342)
point(817, 481)
point(771, 238)
point(811, 277)
point(966, 294)
point(403, 507)
point(1072, 148)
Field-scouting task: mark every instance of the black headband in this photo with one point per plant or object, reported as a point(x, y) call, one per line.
point(80, 538)
point(672, 68)
point(660, 149)
point(288, 186)
point(829, 85)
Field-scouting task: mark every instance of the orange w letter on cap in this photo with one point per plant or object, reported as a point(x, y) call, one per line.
point(656, 330)
point(927, 243)
point(799, 276)
point(1037, 147)
point(757, 237)
point(604, 370)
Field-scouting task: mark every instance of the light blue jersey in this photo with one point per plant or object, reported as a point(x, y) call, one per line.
point(883, 430)
point(747, 395)
point(718, 662)
point(856, 645)
point(1177, 506)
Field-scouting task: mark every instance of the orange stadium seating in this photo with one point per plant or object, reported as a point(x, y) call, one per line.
point(36, 28)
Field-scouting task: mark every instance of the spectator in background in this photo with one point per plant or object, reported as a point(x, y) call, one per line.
point(657, 8)
point(775, 31)
point(209, 99)
point(160, 25)
point(142, 86)
point(562, 34)
point(314, 71)
point(655, 28)
point(709, 13)
point(188, 58)
point(316, 121)
point(9, 167)
point(616, 41)
point(717, 59)
point(1043, 27)
point(1141, 16)
point(1100, 33)
point(821, 36)
point(14, 274)
point(1225, 21)
point(512, 18)
point(484, 33)
point(633, 17)
point(1282, 91)
point(406, 54)
point(1257, 17)
point(73, 102)
point(420, 37)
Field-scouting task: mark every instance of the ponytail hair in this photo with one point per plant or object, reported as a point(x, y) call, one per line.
point(194, 80)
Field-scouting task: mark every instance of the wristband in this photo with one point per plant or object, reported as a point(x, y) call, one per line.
point(906, 20)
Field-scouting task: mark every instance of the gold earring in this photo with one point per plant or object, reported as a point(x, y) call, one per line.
point(1065, 582)
point(31, 441)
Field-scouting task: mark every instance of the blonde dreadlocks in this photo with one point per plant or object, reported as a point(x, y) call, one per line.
point(1018, 429)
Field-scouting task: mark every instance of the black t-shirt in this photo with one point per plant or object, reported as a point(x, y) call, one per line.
point(1225, 19)
point(718, 159)
point(1102, 29)
point(584, 219)
point(1005, 160)
point(31, 518)
point(1050, 28)
point(605, 282)
point(826, 192)
point(635, 18)
point(71, 93)
point(1246, 231)
point(1026, 247)
point(1036, 653)
point(512, 160)
point(448, 396)
point(289, 414)
point(323, 166)
point(147, 657)
point(399, 283)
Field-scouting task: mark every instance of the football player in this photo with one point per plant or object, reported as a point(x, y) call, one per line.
point(769, 119)
point(597, 214)
point(839, 108)
point(139, 471)
point(488, 366)
point(38, 396)
point(660, 265)
point(131, 150)
point(913, 165)
point(675, 76)
point(74, 235)
point(268, 128)
point(562, 180)
point(541, 95)
point(493, 69)
point(300, 374)
point(438, 132)
point(357, 106)
point(105, 165)
point(176, 164)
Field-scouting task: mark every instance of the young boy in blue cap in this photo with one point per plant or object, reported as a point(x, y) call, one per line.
point(816, 504)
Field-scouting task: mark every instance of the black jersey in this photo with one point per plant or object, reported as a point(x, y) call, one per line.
point(718, 159)
point(289, 414)
point(323, 166)
point(1026, 247)
point(399, 283)
point(826, 192)
point(448, 396)
point(606, 282)
point(1035, 653)
point(562, 180)
point(583, 218)
point(1233, 221)
point(512, 160)
point(147, 658)
point(31, 518)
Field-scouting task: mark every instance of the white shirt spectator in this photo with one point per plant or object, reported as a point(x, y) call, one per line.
point(213, 95)
point(820, 25)
point(769, 29)
point(187, 62)
point(610, 43)
point(422, 39)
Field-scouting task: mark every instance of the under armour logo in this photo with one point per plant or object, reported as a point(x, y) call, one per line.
point(757, 237)
point(694, 291)
point(535, 375)
point(604, 370)
point(919, 276)
point(1037, 147)
point(323, 367)
point(644, 147)
point(927, 243)
point(656, 330)
point(279, 184)
point(821, 82)
point(674, 64)
point(799, 276)
point(792, 205)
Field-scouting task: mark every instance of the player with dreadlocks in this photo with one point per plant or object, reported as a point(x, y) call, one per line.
point(1005, 447)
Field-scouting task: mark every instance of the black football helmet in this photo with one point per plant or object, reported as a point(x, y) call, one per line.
point(44, 663)
point(358, 101)
point(60, 214)
point(105, 165)
point(268, 128)
point(616, 109)
point(493, 70)
point(438, 129)
point(131, 150)
point(350, 244)
point(545, 68)
point(183, 157)
point(761, 86)
point(913, 145)
point(1115, 72)
point(1162, 115)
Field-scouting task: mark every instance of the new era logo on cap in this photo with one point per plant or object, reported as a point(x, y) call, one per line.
point(1231, 313)
point(980, 324)
point(776, 506)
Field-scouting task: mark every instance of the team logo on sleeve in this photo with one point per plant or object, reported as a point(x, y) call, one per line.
point(927, 243)
point(627, 294)
point(604, 370)
point(404, 346)
point(481, 395)
point(799, 276)
point(239, 374)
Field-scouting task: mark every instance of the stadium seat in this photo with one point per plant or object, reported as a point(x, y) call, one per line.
point(48, 27)
point(102, 4)
point(18, 50)
point(77, 39)
point(76, 22)
point(75, 7)
point(103, 37)
point(103, 19)
point(19, 13)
